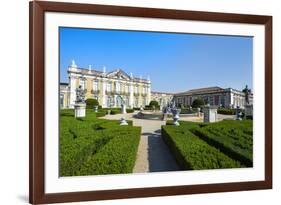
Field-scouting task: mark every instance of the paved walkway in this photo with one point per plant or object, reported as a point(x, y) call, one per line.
point(153, 154)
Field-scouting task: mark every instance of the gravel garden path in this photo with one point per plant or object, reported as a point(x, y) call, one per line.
point(153, 154)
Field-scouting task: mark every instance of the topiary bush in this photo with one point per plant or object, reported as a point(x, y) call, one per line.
point(90, 103)
point(197, 103)
point(153, 103)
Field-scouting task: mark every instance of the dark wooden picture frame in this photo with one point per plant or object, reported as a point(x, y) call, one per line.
point(37, 95)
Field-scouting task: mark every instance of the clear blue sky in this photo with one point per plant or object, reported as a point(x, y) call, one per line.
point(174, 62)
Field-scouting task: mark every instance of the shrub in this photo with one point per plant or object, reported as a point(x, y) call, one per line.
point(234, 138)
point(153, 103)
point(115, 111)
point(197, 103)
point(117, 156)
point(90, 103)
point(193, 153)
point(82, 139)
point(129, 110)
point(188, 111)
point(226, 111)
point(100, 114)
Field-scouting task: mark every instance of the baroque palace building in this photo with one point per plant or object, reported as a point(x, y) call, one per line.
point(106, 87)
point(163, 98)
point(215, 96)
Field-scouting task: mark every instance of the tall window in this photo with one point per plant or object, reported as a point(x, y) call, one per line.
point(136, 102)
point(109, 87)
point(223, 100)
point(136, 89)
point(117, 87)
point(82, 83)
point(126, 88)
point(144, 90)
point(144, 101)
point(95, 85)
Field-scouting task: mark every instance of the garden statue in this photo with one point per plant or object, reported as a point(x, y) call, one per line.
point(247, 92)
point(80, 95)
point(80, 105)
point(123, 104)
point(171, 108)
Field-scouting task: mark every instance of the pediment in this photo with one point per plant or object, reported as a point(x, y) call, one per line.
point(118, 74)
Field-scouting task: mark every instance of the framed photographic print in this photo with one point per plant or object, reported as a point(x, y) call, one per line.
point(138, 102)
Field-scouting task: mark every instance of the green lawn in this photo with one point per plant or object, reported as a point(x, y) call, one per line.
point(93, 146)
point(225, 144)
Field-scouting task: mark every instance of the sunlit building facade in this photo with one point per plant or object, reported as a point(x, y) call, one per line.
point(109, 88)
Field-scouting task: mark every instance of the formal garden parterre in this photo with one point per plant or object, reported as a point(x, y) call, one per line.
point(92, 146)
point(225, 144)
point(96, 146)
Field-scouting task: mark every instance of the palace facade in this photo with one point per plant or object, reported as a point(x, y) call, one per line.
point(215, 96)
point(106, 87)
point(162, 98)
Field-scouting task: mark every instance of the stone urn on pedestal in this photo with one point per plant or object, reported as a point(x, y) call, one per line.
point(176, 116)
point(80, 105)
point(198, 112)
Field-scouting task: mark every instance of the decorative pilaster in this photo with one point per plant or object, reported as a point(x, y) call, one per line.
point(131, 99)
point(73, 83)
point(148, 93)
point(103, 95)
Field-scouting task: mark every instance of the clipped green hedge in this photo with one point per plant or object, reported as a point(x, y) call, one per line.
point(117, 156)
point(234, 138)
point(226, 111)
point(193, 153)
point(114, 112)
point(100, 114)
point(84, 138)
point(129, 110)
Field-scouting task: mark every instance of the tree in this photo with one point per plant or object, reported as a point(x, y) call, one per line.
point(197, 103)
point(153, 103)
point(90, 103)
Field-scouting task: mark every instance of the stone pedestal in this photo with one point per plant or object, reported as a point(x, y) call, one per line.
point(123, 109)
point(95, 108)
point(248, 111)
point(176, 116)
point(238, 113)
point(210, 114)
point(123, 121)
point(80, 110)
point(198, 112)
point(164, 116)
